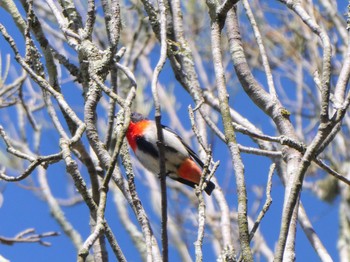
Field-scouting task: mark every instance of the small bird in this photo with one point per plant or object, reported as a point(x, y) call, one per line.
point(180, 159)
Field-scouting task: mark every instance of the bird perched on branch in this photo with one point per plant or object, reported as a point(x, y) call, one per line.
point(181, 162)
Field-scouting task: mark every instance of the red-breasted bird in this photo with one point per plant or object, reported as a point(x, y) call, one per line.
point(180, 159)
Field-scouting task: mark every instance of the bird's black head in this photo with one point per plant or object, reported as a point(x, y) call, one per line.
point(137, 117)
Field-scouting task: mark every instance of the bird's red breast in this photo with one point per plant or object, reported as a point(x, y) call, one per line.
point(136, 130)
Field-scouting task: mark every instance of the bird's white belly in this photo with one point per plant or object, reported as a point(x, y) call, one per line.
point(172, 162)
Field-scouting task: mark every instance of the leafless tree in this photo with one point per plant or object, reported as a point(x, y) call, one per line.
point(75, 70)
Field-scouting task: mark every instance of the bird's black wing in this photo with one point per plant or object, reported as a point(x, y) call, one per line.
point(210, 185)
point(189, 150)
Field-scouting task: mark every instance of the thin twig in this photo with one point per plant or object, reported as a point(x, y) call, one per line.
point(261, 46)
point(229, 132)
point(162, 168)
point(28, 236)
point(265, 207)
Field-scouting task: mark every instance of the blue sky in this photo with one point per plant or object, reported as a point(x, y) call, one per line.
point(22, 208)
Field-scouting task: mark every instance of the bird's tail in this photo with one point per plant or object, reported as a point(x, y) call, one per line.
point(209, 189)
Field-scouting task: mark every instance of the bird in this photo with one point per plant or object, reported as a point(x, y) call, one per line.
point(181, 162)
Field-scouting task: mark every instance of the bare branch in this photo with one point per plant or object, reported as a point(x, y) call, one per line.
point(28, 236)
